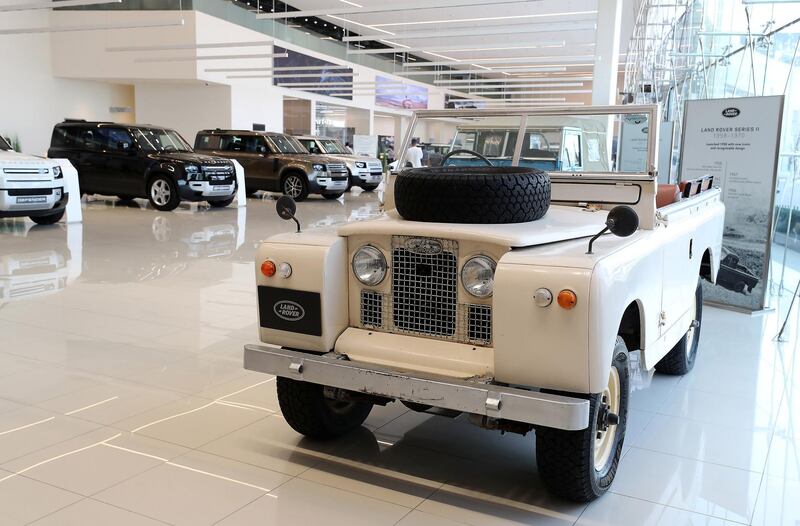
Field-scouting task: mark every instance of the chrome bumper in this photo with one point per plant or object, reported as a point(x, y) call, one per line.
point(519, 405)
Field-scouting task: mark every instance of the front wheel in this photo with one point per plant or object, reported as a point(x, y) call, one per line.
point(220, 204)
point(163, 193)
point(309, 412)
point(333, 197)
point(48, 219)
point(680, 360)
point(295, 187)
point(580, 465)
point(369, 187)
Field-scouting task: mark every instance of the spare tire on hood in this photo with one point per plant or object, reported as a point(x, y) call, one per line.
point(472, 194)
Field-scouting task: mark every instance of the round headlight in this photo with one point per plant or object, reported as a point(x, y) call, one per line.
point(319, 167)
point(369, 265)
point(361, 164)
point(57, 172)
point(477, 276)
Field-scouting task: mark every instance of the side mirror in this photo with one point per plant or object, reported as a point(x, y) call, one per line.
point(622, 221)
point(286, 208)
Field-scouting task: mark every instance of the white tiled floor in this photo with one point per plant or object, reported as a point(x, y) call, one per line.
point(123, 401)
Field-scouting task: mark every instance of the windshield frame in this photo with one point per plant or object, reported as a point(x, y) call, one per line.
point(139, 135)
point(5, 145)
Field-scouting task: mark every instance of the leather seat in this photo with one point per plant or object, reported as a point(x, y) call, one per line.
point(667, 194)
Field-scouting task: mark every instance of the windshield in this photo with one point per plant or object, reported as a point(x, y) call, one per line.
point(285, 144)
point(333, 146)
point(4, 144)
point(160, 140)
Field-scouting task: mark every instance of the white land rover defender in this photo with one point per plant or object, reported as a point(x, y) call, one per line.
point(30, 186)
point(520, 298)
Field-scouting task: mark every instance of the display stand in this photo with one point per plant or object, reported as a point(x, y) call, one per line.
point(74, 213)
point(241, 190)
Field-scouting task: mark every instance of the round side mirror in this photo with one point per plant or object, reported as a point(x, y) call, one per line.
point(286, 207)
point(622, 221)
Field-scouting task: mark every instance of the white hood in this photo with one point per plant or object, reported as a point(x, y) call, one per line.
point(561, 223)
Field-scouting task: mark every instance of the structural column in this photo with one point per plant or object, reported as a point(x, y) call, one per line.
point(606, 59)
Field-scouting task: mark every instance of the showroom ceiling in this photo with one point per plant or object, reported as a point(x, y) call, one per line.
point(515, 37)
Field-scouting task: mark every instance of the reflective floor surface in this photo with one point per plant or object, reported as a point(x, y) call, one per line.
point(123, 401)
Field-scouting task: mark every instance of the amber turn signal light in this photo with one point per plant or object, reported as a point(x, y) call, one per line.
point(567, 299)
point(268, 268)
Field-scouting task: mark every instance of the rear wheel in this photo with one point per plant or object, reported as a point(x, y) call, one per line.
point(163, 193)
point(581, 465)
point(220, 204)
point(309, 412)
point(48, 219)
point(680, 360)
point(295, 187)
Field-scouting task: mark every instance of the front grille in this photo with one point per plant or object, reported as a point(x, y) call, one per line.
point(424, 289)
point(31, 191)
point(26, 171)
point(217, 169)
point(337, 170)
point(424, 297)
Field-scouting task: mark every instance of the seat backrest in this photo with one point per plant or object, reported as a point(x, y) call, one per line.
point(667, 194)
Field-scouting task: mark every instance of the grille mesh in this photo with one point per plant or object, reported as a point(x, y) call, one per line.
point(371, 309)
point(424, 289)
point(424, 298)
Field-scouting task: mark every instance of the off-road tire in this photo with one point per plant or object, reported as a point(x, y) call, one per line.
point(566, 458)
point(310, 413)
point(333, 197)
point(680, 360)
point(220, 204)
point(302, 181)
point(473, 194)
point(174, 199)
point(369, 187)
point(48, 219)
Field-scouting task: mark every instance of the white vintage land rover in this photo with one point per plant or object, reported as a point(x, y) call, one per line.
point(30, 186)
point(517, 297)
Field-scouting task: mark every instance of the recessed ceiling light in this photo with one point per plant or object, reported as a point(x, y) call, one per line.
point(351, 3)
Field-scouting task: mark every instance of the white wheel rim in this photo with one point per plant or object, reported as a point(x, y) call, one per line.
point(160, 192)
point(690, 333)
point(605, 440)
point(293, 186)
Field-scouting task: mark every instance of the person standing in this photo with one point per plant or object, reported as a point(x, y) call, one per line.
point(414, 154)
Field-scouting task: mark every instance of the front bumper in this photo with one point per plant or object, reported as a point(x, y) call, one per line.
point(201, 190)
point(24, 206)
point(468, 396)
point(324, 183)
point(365, 176)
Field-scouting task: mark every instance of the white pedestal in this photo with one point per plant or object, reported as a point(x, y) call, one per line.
point(241, 190)
point(74, 213)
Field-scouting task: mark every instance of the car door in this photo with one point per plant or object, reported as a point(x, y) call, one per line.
point(88, 152)
point(121, 168)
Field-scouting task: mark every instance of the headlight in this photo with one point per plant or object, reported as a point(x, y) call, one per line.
point(319, 167)
point(360, 164)
point(57, 172)
point(369, 265)
point(191, 168)
point(477, 276)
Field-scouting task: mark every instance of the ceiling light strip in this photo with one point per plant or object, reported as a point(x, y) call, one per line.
point(511, 29)
point(502, 60)
point(211, 57)
point(454, 49)
point(464, 71)
point(176, 47)
point(487, 18)
point(407, 6)
point(279, 68)
point(501, 81)
point(93, 27)
point(531, 92)
point(47, 4)
point(287, 76)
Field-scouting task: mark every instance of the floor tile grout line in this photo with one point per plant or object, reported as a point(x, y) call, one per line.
point(761, 481)
point(710, 463)
point(672, 506)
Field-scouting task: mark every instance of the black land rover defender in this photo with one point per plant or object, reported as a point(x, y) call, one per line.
point(130, 161)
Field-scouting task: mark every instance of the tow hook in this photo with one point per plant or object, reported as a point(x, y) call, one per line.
point(695, 324)
point(606, 418)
